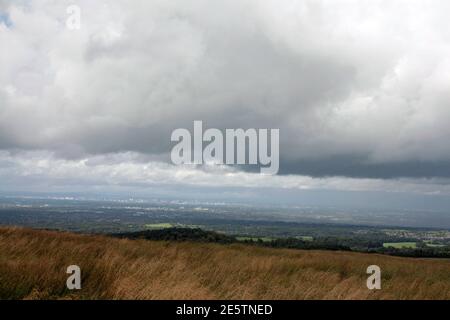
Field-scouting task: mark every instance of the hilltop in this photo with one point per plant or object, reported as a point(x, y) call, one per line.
point(33, 266)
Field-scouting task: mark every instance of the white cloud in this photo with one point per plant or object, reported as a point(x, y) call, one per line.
point(41, 170)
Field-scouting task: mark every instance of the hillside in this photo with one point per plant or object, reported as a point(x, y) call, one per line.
point(33, 266)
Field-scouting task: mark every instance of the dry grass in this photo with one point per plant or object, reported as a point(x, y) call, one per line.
point(33, 265)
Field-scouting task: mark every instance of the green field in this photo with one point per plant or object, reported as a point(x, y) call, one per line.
point(305, 238)
point(268, 239)
point(159, 225)
point(400, 245)
point(433, 245)
point(263, 239)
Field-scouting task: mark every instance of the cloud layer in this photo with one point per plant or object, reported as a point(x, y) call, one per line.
point(357, 88)
point(129, 169)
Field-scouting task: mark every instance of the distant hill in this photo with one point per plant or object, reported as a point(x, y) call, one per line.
point(33, 266)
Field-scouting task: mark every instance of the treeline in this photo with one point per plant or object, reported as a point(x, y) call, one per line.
point(358, 244)
point(200, 235)
point(416, 253)
point(294, 243)
point(178, 234)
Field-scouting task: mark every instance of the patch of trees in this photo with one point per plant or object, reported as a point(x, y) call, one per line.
point(360, 244)
point(294, 243)
point(416, 253)
point(179, 234)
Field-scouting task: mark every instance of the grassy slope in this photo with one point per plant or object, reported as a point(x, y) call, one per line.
point(33, 264)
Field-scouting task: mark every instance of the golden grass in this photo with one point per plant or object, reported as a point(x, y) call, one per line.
point(33, 265)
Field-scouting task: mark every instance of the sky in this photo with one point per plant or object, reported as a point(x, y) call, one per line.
point(358, 88)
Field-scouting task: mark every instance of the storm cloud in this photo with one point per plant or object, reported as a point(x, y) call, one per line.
point(357, 88)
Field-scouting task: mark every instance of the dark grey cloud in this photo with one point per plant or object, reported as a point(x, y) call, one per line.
point(351, 166)
point(357, 88)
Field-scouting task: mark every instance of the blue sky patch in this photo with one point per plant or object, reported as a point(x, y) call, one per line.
point(5, 19)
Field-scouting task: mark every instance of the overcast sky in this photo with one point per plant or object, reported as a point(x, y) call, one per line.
point(360, 91)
